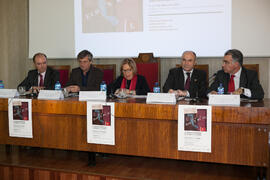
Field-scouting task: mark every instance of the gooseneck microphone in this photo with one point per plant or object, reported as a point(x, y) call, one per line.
point(196, 87)
point(211, 78)
point(112, 88)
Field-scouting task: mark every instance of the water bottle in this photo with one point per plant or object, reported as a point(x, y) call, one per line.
point(1, 84)
point(156, 88)
point(220, 89)
point(103, 86)
point(57, 86)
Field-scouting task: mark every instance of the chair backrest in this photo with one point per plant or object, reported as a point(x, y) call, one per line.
point(149, 67)
point(109, 72)
point(254, 67)
point(64, 71)
point(203, 67)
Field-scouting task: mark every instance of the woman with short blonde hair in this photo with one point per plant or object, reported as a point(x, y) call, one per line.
point(129, 82)
point(131, 63)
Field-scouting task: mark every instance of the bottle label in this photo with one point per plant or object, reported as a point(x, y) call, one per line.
point(1, 85)
point(57, 86)
point(103, 87)
point(156, 89)
point(220, 90)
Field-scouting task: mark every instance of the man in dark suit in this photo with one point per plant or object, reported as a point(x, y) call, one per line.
point(86, 77)
point(236, 79)
point(186, 81)
point(42, 77)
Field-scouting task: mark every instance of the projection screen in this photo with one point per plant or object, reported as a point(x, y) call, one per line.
point(124, 28)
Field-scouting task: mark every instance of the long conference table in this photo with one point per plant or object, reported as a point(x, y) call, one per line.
point(240, 134)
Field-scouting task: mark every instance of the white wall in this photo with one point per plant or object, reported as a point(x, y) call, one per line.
point(251, 27)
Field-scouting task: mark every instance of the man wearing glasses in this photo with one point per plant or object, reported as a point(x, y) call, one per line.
point(236, 79)
point(129, 82)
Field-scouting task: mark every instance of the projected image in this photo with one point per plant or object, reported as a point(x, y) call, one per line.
point(100, 16)
point(123, 28)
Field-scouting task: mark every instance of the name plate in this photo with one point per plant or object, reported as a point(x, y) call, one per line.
point(161, 98)
point(226, 99)
point(50, 94)
point(8, 93)
point(92, 96)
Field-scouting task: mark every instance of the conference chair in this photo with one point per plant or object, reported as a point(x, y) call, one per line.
point(64, 71)
point(254, 67)
point(109, 72)
point(149, 67)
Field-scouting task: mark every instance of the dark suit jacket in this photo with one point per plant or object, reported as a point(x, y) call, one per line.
point(95, 77)
point(141, 88)
point(176, 80)
point(51, 77)
point(248, 79)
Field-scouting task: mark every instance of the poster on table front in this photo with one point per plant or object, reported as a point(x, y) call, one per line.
point(100, 123)
point(194, 128)
point(20, 118)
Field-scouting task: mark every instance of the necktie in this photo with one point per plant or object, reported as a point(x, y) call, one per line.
point(41, 82)
point(231, 87)
point(187, 84)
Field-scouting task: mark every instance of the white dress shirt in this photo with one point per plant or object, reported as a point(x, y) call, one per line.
point(237, 75)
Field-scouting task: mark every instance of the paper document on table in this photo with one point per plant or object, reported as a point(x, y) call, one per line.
point(137, 96)
point(248, 100)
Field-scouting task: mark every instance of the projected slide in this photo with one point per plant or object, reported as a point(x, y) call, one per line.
point(124, 28)
point(112, 16)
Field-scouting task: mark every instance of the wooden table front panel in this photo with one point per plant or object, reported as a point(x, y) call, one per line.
point(149, 134)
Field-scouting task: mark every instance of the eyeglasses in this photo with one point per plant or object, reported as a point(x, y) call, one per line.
point(126, 70)
point(83, 62)
point(226, 62)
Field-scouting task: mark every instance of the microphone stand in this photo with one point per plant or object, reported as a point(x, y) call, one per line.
point(211, 78)
point(196, 99)
point(35, 83)
point(111, 95)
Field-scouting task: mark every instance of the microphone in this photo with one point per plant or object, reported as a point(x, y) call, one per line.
point(196, 87)
point(35, 83)
point(211, 78)
point(111, 87)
